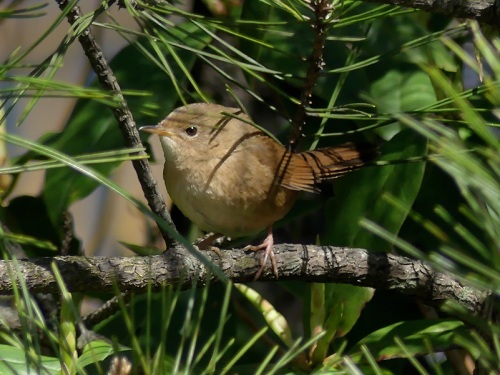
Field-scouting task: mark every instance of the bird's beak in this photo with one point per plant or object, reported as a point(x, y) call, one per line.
point(155, 129)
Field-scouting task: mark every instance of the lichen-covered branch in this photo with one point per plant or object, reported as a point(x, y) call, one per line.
point(295, 262)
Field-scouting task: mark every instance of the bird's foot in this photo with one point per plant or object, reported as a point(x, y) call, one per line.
point(267, 246)
point(205, 243)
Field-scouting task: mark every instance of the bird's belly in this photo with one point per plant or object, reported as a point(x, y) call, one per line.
point(214, 210)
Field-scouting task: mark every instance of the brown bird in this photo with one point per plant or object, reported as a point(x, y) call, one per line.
point(232, 179)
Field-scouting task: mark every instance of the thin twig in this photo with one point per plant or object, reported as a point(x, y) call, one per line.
point(123, 116)
point(109, 308)
point(322, 10)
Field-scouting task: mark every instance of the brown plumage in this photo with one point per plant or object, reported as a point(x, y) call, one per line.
point(230, 178)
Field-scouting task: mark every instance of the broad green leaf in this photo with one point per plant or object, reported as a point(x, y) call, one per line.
point(92, 127)
point(343, 307)
point(97, 351)
point(361, 195)
point(18, 361)
point(438, 332)
point(402, 90)
point(342, 314)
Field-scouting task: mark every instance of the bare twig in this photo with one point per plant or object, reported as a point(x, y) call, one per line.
point(295, 262)
point(123, 116)
point(322, 10)
point(109, 308)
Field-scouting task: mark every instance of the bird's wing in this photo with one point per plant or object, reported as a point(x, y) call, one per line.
point(304, 170)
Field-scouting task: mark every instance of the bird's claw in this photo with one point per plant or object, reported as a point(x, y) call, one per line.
point(267, 246)
point(205, 243)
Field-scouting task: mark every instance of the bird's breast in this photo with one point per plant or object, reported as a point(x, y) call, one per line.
point(226, 195)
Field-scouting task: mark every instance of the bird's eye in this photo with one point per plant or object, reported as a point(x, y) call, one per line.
point(191, 131)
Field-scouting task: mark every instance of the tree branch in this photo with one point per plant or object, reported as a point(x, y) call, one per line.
point(295, 262)
point(484, 11)
point(122, 115)
point(322, 11)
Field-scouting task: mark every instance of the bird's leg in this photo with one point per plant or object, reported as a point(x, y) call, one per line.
point(206, 243)
point(267, 246)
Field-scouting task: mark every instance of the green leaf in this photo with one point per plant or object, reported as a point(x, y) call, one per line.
point(97, 351)
point(18, 361)
point(92, 127)
point(361, 195)
point(345, 304)
point(439, 333)
point(402, 90)
point(343, 307)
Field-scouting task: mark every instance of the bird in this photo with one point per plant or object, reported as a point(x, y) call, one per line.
point(232, 179)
